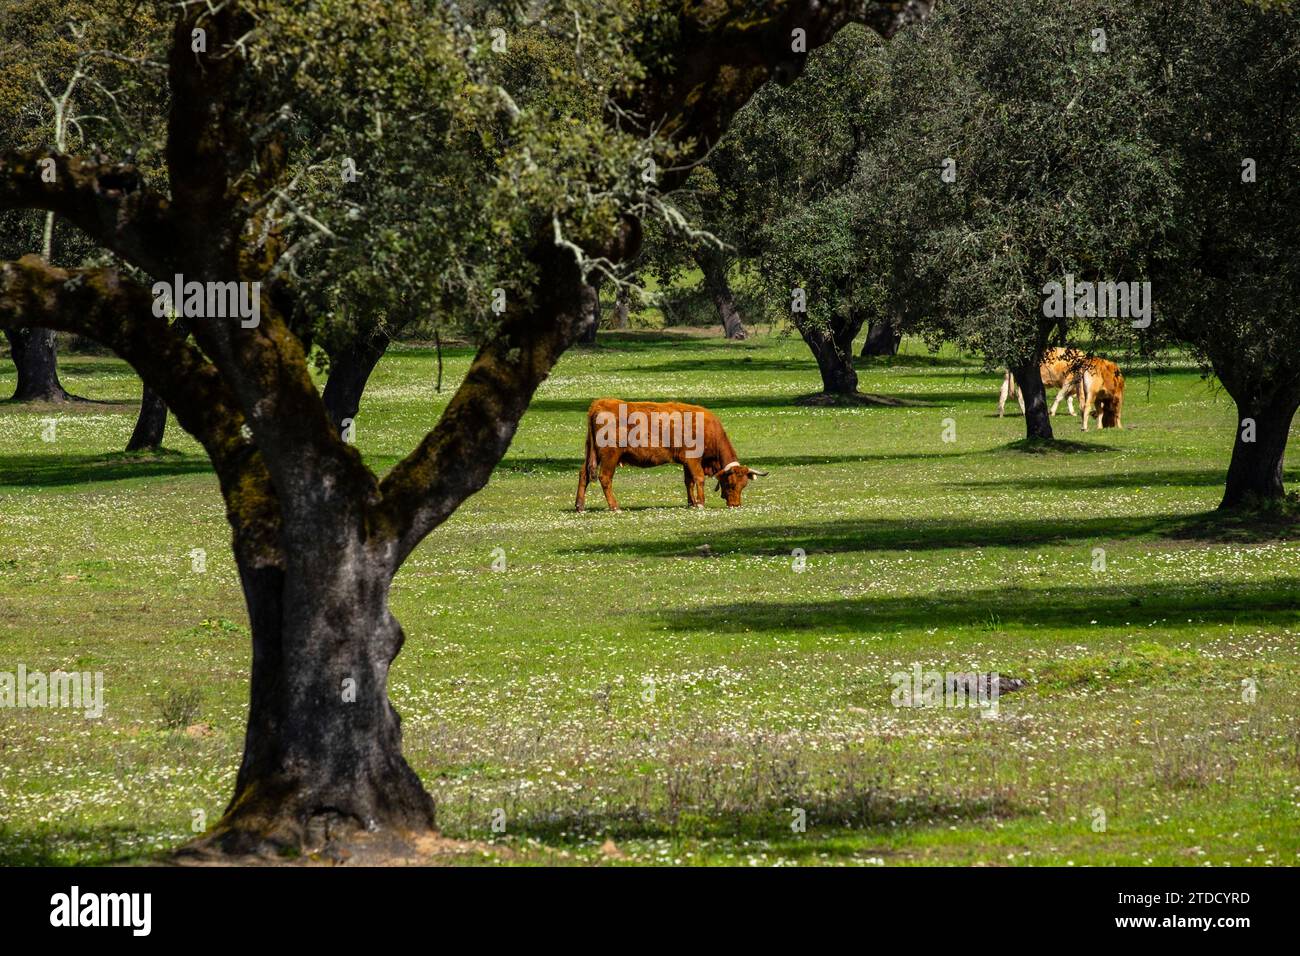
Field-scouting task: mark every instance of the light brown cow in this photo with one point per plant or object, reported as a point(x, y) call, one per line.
point(646, 434)
point(1056, 371)
point(1101, 389)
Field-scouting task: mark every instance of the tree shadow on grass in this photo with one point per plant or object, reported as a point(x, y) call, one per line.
point(945, 398)
point(881, 401)
point(1271, 520)
point(849, 535)
point(856, 400)
point(734, 363)
point(73, 405)
point(60, 470)
point(766, 817)
point(1054, 446)
point(865, 362)
point(1205, 602)
point(1072, 481)
point(579, 406)
point(865, 535)
point(76, 846)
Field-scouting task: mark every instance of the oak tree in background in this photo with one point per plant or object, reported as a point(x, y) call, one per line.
point(72, 77)
point(788, 166)
point(1227, 111)
point(1020, 126)
point(936, 184)
point(711, 238)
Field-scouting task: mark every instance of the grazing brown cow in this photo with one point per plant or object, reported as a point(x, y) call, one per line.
point(646, 434)
point(1101, 388)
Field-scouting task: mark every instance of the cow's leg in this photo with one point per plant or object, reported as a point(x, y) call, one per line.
point(1067, 392)
point(690, 485)
point(1059, 395)
point(1085, 406)
point(607, 483)
point(694, 483)
point(1007, 386)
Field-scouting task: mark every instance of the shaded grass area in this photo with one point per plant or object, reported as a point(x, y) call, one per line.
point(57, 470)
point(1207, 602)
point(886, 534)
point(692, 685)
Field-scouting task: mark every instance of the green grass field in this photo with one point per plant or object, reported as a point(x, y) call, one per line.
point(664, 677)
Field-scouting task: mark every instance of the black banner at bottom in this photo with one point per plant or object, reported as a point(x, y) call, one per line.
point(336, 904)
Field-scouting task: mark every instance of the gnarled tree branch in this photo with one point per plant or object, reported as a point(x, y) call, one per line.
point(107, 201)
point(118, 312)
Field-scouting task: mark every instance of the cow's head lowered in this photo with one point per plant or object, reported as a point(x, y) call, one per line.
point(732, 479)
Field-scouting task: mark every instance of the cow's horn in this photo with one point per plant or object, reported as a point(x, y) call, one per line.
point(757, 474)
point(731, 465)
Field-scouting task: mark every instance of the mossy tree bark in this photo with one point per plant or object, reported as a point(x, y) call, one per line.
point(323, 746)
point(1265, 386)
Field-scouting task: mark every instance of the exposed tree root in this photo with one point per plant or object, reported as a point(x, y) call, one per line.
point(355, 847)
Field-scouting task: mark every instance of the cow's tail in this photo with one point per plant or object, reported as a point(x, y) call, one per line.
point(590, 464)
point(587, 473)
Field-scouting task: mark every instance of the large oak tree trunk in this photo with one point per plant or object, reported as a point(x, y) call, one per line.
point(832, 347)
point(323, 748)
point(882, 339)
point(350, 370)
point(151, 423)
point(1038, 423)
point(38, 366)
point(1255, 472)
point(714, 266)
